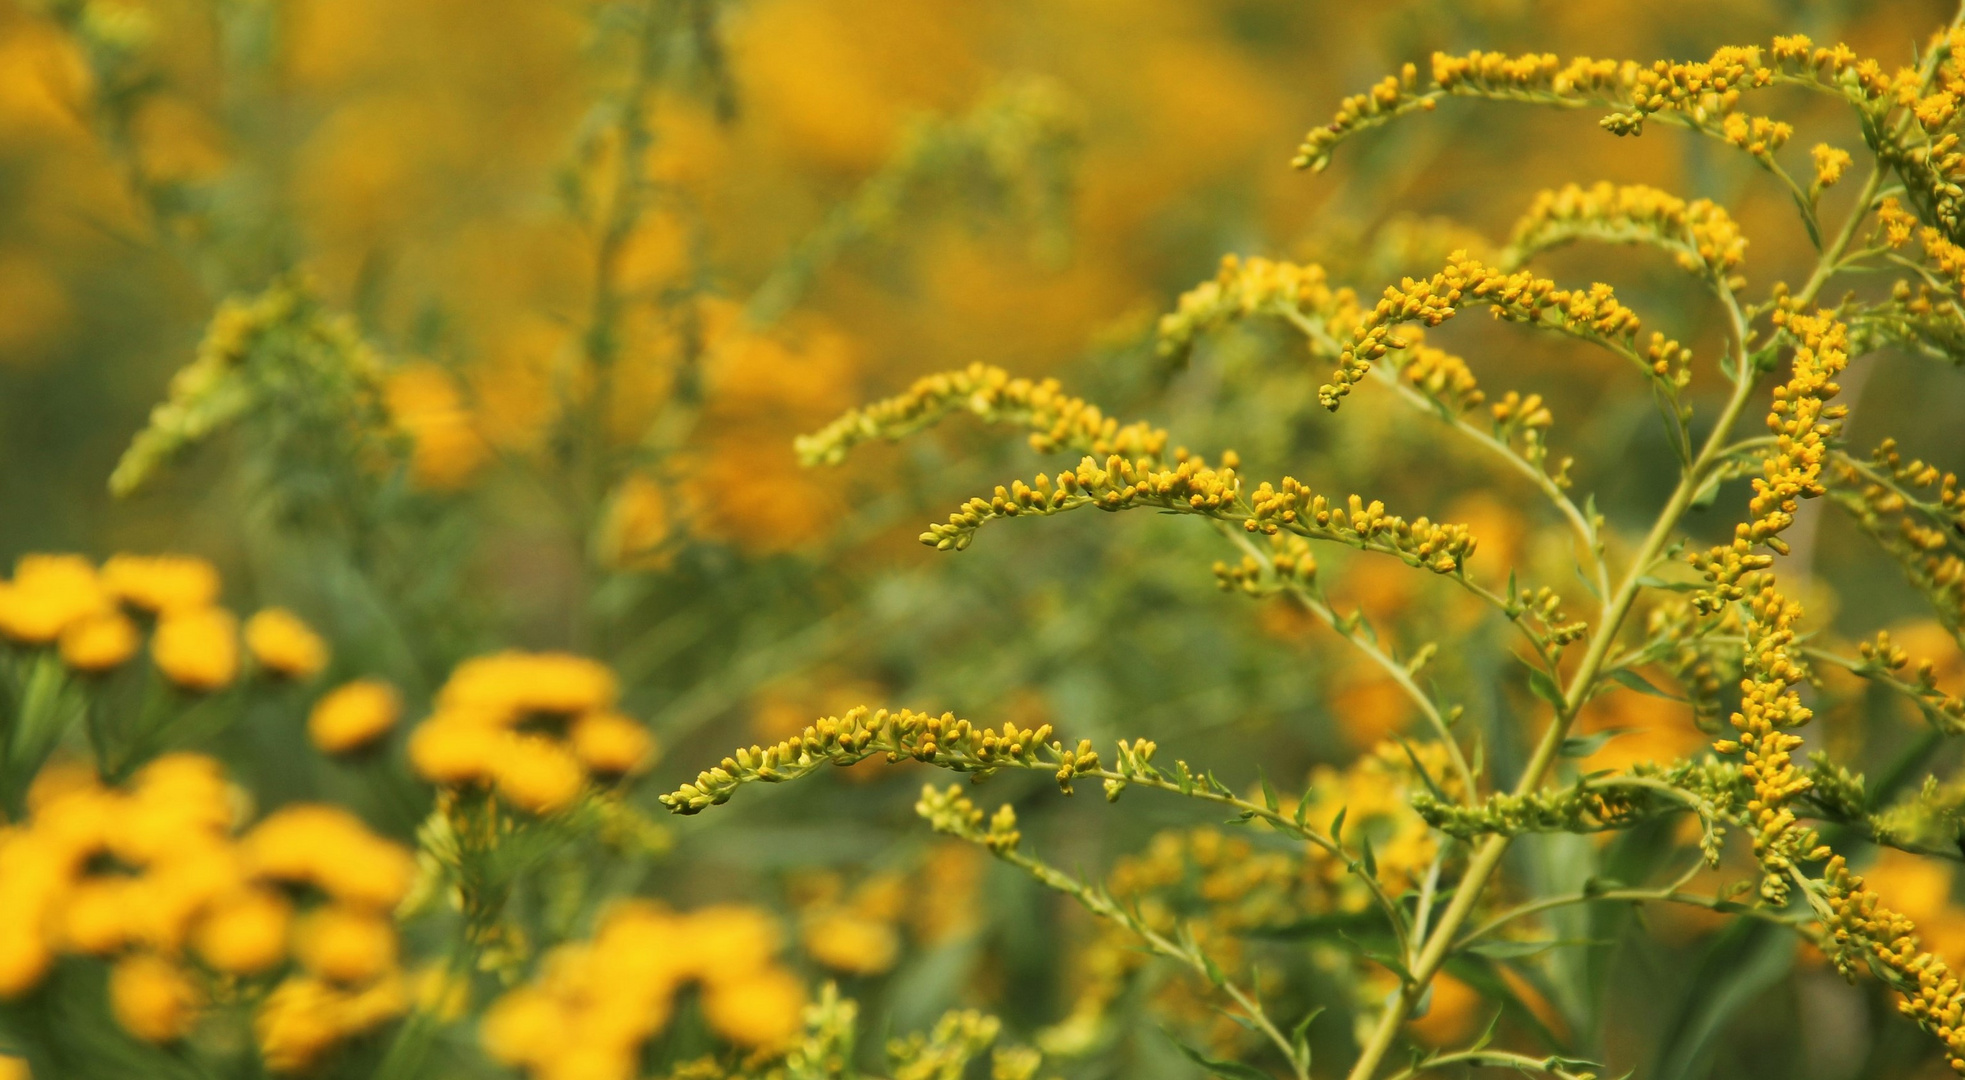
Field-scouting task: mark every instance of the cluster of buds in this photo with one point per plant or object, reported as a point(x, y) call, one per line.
point(1802, 422)
point(1917, 513)
point(1289, 563)
point(1593, 314)
point(1882, 659)
point(1769, 708)
point(1189, 486)
point(1442, 377)
point(1701, 235)
point(943, 741)
point(1861, 927)
point(948, 811)
point(1254, 286)
point(1058, 422)
point(1442, 548)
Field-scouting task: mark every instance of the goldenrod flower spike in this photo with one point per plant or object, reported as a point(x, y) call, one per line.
point(1058, 421)
point(1594, 315)
point(1700, 235)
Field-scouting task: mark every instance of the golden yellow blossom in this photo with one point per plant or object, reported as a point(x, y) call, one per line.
point(99, 642)
point(447, 450)
point(246, 933)
point(284, 645)
point(353, 715)
point(759, 1009)
point(345, 945)
point(48, 594)
point(153, 998)
point(610, 744)
point(161, 584)
point(197, 648)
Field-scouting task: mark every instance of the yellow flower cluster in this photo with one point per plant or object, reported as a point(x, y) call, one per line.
point(1255, 286)
point(1594, 314)
point(446, 449)
point(1121, 485)
point(211, 391)
point(1860, 925)
point(1883, 655)
point(1917, 513)
point(1058, 421)
point(353, 715)
point(852, 931)
point(942, 740)
point(1802, 422)
point(349, 980)
point(154, 876)
point(86, 613)
point(1701, 235)
point(1192, 486)
point(283, 645)
point(594, 1003)
point(531, 726)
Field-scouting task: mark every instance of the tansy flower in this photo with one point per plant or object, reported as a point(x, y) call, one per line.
point(346, 946)
point(759, 1010)
point(152, 998)
point(849, 942)
point(330, 848)
point(284, 645)
point(353, 715)
point(197, 648)
point(161, 584)
point(99, 641)
point(536, 774)
point(610, 744)
point(447, 449)
point(453, 753)
point(47, 595)
point(304, 1017)
point(246, 933)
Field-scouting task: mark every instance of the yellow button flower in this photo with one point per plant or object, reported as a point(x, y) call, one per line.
point(611, 745)
point(152, 998)
point(454, 753)
point(761, 1010)
point(47, 595)
point(284, 645)
point(197, 648)
point(536, 774)
point(246, 933)
point(300, 1021)
point(161, 584)
point(346, 946)
point(99, 641)
point(353, 715)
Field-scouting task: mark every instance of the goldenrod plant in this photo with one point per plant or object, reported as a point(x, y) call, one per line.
point(430, 442)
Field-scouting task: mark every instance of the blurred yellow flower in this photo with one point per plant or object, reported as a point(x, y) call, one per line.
point(848, 941)
point(99, 642)
point(536, 774)
point(197, 648)
point(345, 945)
point(284, 645)
point(246, 933)
point(153, 998)
point(446, 449)
point(760, 1009)
point(610, 744)
point(161, 584)
point(353, 715)
point(48, 593)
